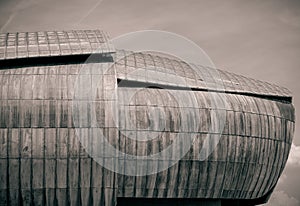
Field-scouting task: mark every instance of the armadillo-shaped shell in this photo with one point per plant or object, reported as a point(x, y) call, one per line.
point(43, 162)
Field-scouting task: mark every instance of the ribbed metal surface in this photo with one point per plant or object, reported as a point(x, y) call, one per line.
point(53, 43)
point(154, 68)
point(42, 161)
point(246, 164)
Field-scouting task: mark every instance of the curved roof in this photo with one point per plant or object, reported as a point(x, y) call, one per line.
point(156, 69)
point(52, 43)
point(152, 68)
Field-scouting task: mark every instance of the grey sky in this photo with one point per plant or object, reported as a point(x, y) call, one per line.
point(259, 39)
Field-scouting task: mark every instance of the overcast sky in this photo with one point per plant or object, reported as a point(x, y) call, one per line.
point(259, 39)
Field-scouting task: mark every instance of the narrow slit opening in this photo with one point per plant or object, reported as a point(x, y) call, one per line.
point(139, 84)
point(55, 60)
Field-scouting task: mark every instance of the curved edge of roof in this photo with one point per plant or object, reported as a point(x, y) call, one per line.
point(82, 43)
point(230, 82)
point(20, 45)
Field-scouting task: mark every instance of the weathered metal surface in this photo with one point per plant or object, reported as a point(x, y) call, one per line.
point(53, 43)
point(42, 161)
point(157, 69)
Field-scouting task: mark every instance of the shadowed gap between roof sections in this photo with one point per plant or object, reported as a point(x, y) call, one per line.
point(139, 84)
point(109, 57)
point(55, 60)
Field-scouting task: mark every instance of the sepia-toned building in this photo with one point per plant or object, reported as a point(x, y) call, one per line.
point(43, 157)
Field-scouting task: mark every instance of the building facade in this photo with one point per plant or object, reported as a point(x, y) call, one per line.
point(55, 92)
